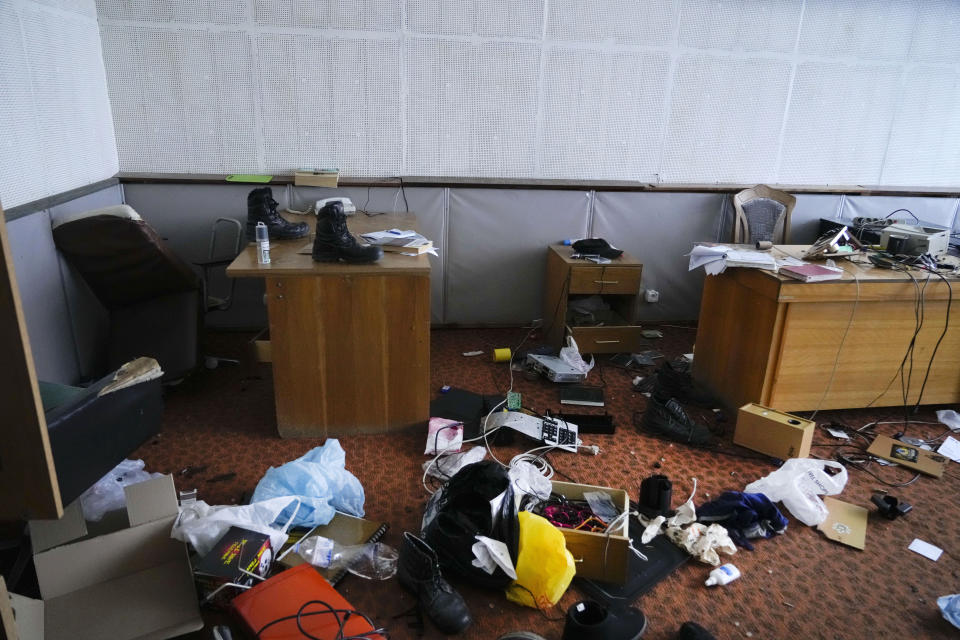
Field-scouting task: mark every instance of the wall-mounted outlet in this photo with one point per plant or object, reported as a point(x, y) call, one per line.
point(651, 295)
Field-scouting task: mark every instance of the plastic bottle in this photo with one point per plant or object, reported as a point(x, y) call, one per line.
point(263, 244)
point(724, 574)
point(375, 560)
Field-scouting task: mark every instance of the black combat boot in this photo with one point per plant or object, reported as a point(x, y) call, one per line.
point(261, 207)
point(334, 242)
point(665, 416)
point(589, 620)
point(419, 573)
point(674, 380)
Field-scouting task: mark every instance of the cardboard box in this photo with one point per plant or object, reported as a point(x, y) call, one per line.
point(315, 178)
point(132, 581)
point(773, 432)
point(598, 556)
point(908, 455)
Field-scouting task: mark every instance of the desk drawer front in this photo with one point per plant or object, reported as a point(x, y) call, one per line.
point(608, 339)
point(605, 280)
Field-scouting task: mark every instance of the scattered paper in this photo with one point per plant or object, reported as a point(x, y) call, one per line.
point(716, 258)
point(490, 554)
point(925, 549)
point(950, 448)
point(836, 433)
point(389, 234)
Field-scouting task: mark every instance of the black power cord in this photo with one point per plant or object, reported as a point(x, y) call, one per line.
point(329, 610)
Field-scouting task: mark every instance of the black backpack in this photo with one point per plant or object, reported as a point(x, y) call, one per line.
point(462, 509)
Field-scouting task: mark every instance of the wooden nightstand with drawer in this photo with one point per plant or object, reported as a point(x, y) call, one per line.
point(609, 330)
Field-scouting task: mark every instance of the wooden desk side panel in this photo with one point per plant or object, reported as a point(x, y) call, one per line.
point(351, 354)
point(299, 369)
point(870, 358)
point(554, 299)
point(735, 351)
point(28, 480)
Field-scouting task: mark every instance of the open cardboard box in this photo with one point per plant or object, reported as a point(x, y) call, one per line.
point(598, 556)
point(131, 581)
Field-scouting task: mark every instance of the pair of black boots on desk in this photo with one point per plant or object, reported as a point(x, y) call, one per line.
point(333, 242)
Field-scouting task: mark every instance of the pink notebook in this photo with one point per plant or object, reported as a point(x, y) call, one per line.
point(811, 272)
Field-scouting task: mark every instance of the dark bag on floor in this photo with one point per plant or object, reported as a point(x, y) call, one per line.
point(462, 511)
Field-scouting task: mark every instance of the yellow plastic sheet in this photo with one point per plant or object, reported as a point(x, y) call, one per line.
point(544, 566)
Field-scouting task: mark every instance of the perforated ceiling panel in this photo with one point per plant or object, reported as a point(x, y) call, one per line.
point(56, 133)
point(780, 91)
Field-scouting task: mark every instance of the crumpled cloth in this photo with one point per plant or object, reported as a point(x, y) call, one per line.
point(744, 516)
point(701, 541)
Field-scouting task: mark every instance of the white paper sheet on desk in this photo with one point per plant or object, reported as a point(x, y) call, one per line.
point(702, 255)
point(389, 234)
point(950, 448)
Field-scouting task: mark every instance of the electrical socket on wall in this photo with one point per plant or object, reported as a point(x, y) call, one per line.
point(651, 295)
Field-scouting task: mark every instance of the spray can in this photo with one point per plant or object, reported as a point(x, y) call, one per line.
point(724, 574)
point(263, 244)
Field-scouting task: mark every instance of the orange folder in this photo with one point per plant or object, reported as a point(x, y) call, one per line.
point(270, 608)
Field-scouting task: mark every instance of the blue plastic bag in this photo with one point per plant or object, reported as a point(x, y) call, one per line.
point(320, 479)
point(950, 608)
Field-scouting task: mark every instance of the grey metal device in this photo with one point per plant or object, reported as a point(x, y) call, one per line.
point(920, 240)
point(554, 369)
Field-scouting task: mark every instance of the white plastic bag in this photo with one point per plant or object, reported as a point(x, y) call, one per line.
point(799, 483)
point(107, 494)
point(202, 525)
point(571, 355)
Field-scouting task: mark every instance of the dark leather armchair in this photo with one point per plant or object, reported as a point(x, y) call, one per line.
point(92, 429)
point(154, 297)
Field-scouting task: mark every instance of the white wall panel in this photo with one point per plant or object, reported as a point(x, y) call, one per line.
point(183, 99)
point(602, 114)
point(937, 34)
point(769, 25)
point(924, 144)
point(471, 109)
point(839, 123)
point(938, 211)
point(364, 15)
point(57, 130)
point(213, 11)
point(650, 23)
point(721, 128)
point(876, 29)
point(519, 18)
point(775, 91)
point(343, 113)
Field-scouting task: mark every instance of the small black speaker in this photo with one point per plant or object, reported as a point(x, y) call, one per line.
point(656, 494)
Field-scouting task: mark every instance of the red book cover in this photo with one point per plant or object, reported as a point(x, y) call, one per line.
point(270, 609)
point(811, 272)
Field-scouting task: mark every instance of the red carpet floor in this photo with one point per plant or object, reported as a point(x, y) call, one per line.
point(798, 585)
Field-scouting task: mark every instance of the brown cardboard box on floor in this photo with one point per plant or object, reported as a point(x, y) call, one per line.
point(773, 432)
point(598, 556)
point(132, 582)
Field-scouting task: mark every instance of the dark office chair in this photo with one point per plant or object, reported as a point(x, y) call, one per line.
point(762, 214)
point(154, 298)
point(226, 242)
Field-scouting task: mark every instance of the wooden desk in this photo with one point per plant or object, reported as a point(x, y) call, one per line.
point(350, 343)
point(769, 339)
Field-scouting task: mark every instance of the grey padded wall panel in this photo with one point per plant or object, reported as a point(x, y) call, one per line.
point(938, 211)
point(497, 242)
point(659, 229)
point(45, 308)
point(373, 15)
point(57, 129)
point(806, 215)
point(935, 36)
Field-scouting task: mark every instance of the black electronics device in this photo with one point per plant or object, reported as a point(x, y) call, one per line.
point(663, 558)
point(590, 423)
